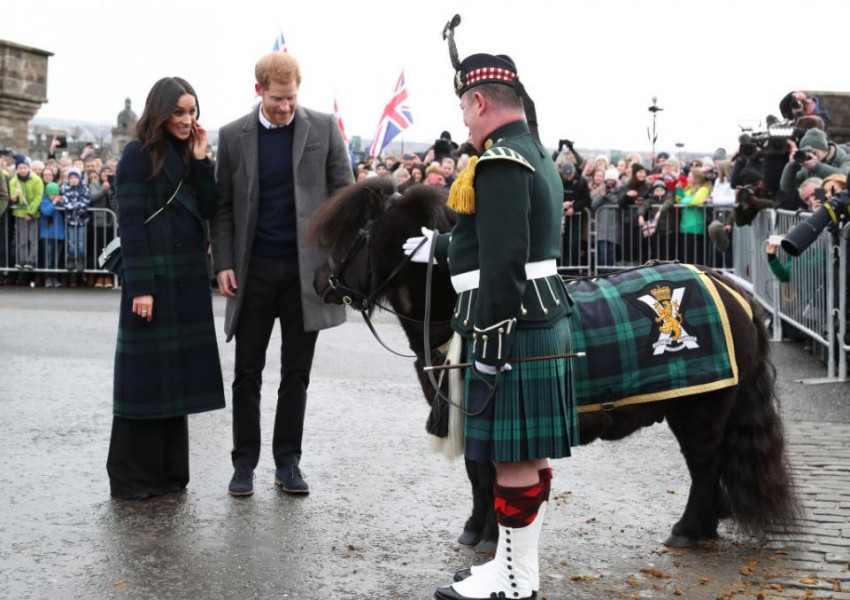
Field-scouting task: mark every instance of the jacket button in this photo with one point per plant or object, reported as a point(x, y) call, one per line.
point(501, 330)
point(484, 337)
point(465, 322)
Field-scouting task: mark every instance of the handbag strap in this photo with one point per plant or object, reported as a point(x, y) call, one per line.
point(162, 208)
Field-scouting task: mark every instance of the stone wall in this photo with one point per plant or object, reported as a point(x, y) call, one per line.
point(23, 89)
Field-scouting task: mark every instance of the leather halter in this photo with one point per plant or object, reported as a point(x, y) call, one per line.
point(360, 301)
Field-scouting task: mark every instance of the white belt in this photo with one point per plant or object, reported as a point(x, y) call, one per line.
point(535, 270)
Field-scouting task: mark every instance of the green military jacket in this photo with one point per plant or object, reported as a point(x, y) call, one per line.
point(516, 222)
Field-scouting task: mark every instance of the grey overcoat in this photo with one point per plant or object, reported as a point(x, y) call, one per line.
point(320, 166)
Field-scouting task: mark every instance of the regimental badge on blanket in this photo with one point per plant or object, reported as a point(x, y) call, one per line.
point(666, 302)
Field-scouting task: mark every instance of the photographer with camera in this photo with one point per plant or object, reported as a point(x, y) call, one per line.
point(567, 148)
point(798, 104)
point(749, 155)
point(443, 147)
point(816, 157)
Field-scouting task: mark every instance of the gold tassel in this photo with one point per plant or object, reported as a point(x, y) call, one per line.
point(462, 194)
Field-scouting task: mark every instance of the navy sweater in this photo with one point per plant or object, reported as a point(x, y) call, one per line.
point(276, 234)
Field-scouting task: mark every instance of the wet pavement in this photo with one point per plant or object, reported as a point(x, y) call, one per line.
point(385, 511)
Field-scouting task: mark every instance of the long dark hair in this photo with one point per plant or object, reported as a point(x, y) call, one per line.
point(160, 104)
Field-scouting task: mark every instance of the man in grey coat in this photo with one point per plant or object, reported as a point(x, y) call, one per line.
point(275, 167)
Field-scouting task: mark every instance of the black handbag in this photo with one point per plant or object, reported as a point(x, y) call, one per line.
point(110, 258)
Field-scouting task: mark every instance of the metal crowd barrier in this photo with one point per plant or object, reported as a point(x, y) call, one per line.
point(843, 265)
point(65, 250)
point(805, 305)
point(616, 240)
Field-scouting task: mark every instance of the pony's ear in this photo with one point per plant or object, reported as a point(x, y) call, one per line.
point(377, 192)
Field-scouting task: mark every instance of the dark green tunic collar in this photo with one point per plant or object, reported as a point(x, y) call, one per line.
point(512, 129)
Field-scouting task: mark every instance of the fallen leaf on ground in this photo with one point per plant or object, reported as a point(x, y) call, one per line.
point(584, 577)
point(655, 573)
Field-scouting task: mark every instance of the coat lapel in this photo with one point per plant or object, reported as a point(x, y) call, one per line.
point(299, 139)
point(248, 140)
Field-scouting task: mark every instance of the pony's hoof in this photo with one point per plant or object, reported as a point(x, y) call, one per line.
point(679, 541)
point(486, 547)
point(468, 538)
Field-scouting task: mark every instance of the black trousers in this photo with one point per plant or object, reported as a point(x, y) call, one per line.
point(272, 293)
point(148, 457)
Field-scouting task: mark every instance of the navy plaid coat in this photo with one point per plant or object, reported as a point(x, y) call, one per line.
point(169, 367)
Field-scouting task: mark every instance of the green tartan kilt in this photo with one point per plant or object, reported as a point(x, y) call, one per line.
point(533, 412)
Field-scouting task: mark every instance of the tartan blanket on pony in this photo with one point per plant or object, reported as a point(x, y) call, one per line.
point(652, 333)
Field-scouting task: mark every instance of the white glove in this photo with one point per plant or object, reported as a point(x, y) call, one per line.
point(490, 370)
point(421, 255)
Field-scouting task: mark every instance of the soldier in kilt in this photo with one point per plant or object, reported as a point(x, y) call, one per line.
point(502, 256)
point(166, 360)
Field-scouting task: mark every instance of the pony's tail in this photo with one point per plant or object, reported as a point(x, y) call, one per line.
point(755, 480)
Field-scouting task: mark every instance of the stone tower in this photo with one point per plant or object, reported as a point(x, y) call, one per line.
point(23, 89)
point(125, 128)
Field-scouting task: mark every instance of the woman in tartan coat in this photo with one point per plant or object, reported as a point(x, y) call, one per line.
point(166, 359)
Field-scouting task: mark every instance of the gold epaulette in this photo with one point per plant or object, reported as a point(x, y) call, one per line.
point(462, 193)
point(503, 153)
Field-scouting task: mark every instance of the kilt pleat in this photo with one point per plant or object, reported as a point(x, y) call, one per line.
point(533, 412)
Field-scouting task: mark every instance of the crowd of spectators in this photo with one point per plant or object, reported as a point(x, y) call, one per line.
point(50, 227)
point(639, 207)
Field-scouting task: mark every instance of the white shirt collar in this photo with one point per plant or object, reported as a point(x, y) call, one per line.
point(268, 124)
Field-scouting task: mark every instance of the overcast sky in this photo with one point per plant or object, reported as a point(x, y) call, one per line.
point(592, 67)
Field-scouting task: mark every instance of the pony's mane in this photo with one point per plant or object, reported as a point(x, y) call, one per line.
point(339, 219)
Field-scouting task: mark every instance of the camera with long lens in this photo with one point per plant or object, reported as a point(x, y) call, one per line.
point(835, 210)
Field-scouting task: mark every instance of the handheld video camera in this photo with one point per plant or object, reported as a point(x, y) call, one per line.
point(565, 143)
point(836, 210)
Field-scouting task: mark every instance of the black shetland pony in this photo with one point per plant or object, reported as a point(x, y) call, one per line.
point(732, 439)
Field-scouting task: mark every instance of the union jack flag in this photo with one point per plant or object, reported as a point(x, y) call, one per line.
point(396, 118)
point(279, 43)
point(338, 118)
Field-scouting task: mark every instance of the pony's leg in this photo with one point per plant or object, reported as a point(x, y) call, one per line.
point(474, 525)
point(698, 424)
point(490, 529)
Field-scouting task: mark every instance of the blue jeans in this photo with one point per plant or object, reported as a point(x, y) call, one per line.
point(607, 253)
point(76, 237)
point(54, 253)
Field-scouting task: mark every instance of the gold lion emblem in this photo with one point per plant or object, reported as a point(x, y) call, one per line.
point(670, 319)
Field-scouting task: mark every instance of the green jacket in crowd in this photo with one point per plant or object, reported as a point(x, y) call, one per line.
point(32, 191)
